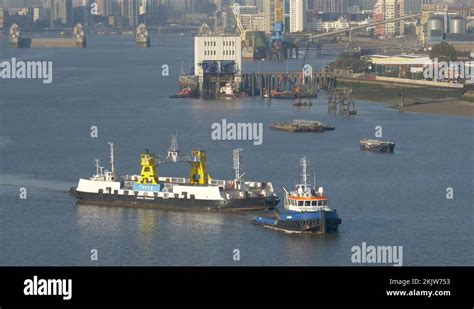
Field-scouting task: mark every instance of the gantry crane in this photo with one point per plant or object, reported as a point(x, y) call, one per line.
point(198, 174)
point(242, 30)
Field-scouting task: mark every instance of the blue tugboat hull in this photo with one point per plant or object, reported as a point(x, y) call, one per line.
point(294, 222)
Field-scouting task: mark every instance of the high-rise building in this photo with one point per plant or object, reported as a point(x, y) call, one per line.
point(250, 18)
point(64, 11)
point(297, 15)
point(331, 6)
point(104, 7)
point(60, 11)
point(130, 10)
point(391, 9)
point(270, 13)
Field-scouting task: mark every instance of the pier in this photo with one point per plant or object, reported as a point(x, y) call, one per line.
point(255, 84)
point(340, 102)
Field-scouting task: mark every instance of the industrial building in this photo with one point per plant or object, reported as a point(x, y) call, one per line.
point(217, 62)
point(251, 18)
point(452, 25)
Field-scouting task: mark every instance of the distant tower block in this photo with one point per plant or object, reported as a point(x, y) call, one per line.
point(340, 102)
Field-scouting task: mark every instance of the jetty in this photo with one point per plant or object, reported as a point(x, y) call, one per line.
point(259, 84)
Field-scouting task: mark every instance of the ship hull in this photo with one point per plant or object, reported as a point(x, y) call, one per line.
point(390, 148)
point(245, 204)
point(303, 223)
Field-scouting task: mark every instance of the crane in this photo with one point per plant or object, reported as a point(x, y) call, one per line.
point(242, 30)
point(277, 45)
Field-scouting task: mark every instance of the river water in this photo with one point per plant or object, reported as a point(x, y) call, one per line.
point(384, 199)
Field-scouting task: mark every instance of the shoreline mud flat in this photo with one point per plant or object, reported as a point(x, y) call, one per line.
point(447, 102)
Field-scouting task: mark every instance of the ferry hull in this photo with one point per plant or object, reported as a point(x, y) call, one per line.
point(246, 204)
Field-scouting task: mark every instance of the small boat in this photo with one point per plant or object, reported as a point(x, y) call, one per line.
point(266, 95)
point(228, 91)
point(276, 94)
point(306, 210)
point(186, 92)
point(376, 145)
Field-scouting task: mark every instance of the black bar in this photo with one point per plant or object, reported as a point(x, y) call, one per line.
point(257, 285)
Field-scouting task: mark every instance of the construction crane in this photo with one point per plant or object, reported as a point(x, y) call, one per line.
point(278, 40)
point(242, 30)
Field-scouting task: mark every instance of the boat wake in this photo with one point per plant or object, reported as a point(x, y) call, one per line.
point(33, 183)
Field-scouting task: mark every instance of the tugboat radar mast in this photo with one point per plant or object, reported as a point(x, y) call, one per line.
point(236, 160)
point(112, 162)
point(304, 174)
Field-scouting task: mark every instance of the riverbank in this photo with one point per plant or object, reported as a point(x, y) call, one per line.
point(437, 101)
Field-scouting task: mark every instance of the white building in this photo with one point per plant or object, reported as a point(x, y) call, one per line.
point(251, 18)
point(332, 25)
point(221, 50)
point(297, 15)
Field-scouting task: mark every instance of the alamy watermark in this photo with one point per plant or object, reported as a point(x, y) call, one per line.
point(452, 70)
point(377, 254)
point(19, 69)
point(229, 131)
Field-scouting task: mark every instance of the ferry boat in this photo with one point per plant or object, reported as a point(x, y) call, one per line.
point(306, 210)
point(376, 145)
point(196, 192)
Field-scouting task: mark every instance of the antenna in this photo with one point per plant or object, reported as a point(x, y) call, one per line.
point(173, 151)
point(304, 173)
point(112, 159)
point(97, 166)
point(314, 172)
point(237, 163)
point(174, 142)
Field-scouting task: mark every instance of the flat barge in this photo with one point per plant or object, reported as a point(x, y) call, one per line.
point(301, 126)
point(376, 145)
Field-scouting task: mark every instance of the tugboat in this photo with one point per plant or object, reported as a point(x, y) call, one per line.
point(306, 210)
point(376, 145)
